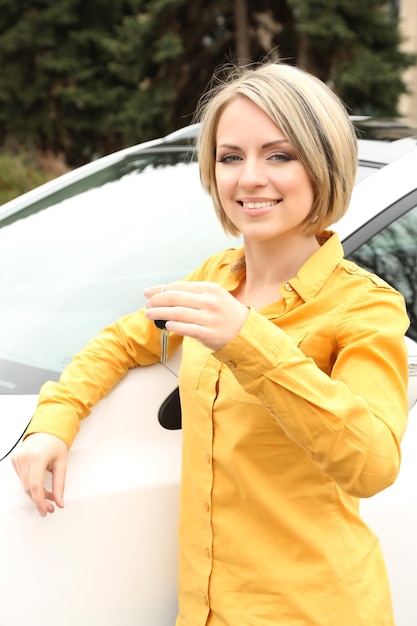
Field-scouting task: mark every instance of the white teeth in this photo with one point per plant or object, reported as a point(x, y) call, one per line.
point(258, 205)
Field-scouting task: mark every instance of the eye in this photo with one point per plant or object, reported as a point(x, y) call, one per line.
point(228, 158)
point(281, 157)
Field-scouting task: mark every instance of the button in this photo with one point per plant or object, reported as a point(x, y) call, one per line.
point(208, 459)
point(206, 507)
point(288, 287)
point(207, 552)
point(231, 364)
point(270, 411)
point(352, 268)
point(205, 601)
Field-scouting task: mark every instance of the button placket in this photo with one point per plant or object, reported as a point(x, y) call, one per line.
point(204, 558)
point(207, 538)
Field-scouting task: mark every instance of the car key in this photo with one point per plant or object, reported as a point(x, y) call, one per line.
point(164, 334)
point(164, 339)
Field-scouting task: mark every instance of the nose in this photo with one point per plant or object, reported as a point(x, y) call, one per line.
point(253, 174)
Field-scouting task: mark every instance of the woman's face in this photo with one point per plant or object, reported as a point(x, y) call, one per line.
point(264, 189)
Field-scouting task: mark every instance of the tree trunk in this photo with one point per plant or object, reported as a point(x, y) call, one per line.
point(242, 43)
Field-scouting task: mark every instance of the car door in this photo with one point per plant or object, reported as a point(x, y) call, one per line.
point(386, 244)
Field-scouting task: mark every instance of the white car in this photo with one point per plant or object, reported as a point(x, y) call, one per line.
point(75, 254)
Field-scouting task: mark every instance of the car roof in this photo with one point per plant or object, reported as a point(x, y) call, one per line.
point(379, 191)
point(380, 153)
point(372, 154)
point(177, 140)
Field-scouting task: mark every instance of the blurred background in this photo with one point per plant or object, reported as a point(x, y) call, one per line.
point(82, 79)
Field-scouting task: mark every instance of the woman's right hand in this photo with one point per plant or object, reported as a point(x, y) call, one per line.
point(34, 456)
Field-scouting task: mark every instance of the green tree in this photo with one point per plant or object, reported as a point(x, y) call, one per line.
point(84, 78)
point(355, 47)
point(55, 91)
point(352, 45)
point(143, 49)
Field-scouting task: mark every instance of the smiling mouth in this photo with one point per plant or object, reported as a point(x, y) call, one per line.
point(259, 205)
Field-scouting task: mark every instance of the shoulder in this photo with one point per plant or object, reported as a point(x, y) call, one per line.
point(219, 264)
point(364, 278)
point(368, 296)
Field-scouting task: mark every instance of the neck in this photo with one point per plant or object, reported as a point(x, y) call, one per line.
point(270, 264)
point(274, 261)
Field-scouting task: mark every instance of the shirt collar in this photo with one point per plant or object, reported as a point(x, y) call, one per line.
point(232, 267)
point(318, 268)
point(311, 276)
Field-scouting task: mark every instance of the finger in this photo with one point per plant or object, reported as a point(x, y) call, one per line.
point(22, 470)
point(198, 298)
point(148, 292)
point(187, 309)
point(187, 286)
point(187, 329)
point(58, 481)
point(36, 490)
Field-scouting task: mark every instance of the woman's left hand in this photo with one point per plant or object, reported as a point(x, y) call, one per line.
point(202, 310)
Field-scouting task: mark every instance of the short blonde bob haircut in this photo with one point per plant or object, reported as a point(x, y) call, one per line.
point(312, 118)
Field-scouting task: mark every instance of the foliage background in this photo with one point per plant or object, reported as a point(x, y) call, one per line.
point(81, 79)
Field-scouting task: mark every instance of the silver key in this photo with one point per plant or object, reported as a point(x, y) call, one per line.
point(164, 339)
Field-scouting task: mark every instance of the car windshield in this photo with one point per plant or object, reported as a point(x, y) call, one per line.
point(76, 261)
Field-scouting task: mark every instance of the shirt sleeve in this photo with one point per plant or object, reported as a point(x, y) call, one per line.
point(351, 421)
point(129, 342)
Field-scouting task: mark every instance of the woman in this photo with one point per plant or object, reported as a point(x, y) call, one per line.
point(293, 379)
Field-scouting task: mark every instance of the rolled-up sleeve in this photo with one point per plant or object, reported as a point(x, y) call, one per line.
point(129, 342)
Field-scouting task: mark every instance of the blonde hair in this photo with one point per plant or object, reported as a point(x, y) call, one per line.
point(310, 115)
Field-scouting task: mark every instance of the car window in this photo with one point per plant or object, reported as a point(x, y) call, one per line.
point(366, 169)
point(392, 254)
point(78, 260)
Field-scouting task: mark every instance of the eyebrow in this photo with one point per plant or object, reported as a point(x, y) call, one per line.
point(265, 145)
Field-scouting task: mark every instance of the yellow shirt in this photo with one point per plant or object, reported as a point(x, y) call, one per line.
point(284, 429)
